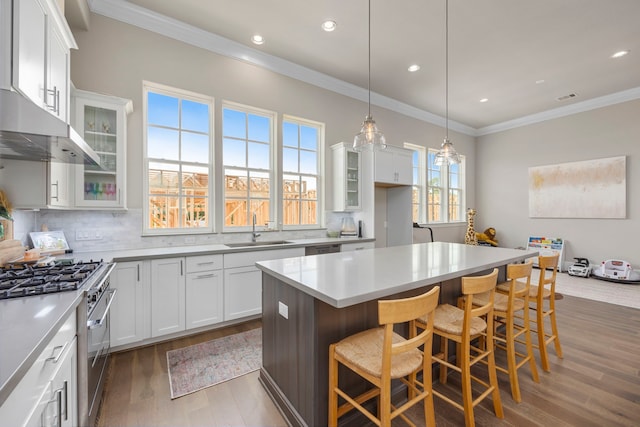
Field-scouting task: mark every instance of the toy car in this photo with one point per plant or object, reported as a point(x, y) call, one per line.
point(619, 271)
point(580, 268)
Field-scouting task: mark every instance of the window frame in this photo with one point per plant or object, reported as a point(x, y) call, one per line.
point(425, 166)
point(420, 186)
point(181, 94)
point(273, 162)
point(320, 127)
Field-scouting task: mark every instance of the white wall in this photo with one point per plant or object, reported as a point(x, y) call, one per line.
point(503, 160)
point(114, 58)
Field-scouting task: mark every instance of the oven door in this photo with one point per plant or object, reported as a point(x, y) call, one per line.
point(98, 343)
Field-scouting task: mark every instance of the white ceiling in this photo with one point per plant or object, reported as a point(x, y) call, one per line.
point(498, 49)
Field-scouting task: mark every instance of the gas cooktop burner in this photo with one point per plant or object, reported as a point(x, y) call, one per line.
point(26, 280)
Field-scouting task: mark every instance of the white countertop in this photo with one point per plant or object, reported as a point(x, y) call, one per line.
point(348, 278)
point(123, 255)
point(26, 326)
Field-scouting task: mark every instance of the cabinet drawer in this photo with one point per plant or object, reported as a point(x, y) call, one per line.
point(244, 259)
point(203, 263)
point(25, 397)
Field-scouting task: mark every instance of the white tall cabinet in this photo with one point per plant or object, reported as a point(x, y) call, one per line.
point(102, 121)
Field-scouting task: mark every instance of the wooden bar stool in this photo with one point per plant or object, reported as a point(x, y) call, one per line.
point(510, 304)
point(463, 325)
point(545, 291)
point(380, 355)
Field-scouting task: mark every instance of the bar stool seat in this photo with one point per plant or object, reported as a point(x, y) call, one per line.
point(364, 350)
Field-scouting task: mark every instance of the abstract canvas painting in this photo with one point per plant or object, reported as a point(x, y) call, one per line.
point(586, 189)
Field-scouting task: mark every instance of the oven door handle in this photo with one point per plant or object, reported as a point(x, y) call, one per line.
point(93, 324)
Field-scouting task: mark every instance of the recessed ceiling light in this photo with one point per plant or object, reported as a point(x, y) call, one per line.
point(484, 100)
point(539, 82)
point(413, 68)
point(329, 26)
point(620, 54)
point(257, 39)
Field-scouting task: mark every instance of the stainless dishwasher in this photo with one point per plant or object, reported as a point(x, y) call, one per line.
point(322, 249)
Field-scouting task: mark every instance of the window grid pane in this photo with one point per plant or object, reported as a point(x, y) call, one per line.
point(178, 148)
point(246, 155)
point(300, 173)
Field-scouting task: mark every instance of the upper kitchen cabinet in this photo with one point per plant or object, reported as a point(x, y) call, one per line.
point(347, 181)
point(102, 121)
point(393, 166)
point(40, 41)
point(36, 185)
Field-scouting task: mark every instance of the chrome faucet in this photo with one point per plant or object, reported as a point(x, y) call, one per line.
point(254, 235)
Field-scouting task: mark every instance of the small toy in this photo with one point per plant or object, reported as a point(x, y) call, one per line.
point(618, 271)
point(488, 236)
point(580, 268)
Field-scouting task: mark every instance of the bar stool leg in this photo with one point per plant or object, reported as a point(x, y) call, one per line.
point(554, 328)
point(333, 383)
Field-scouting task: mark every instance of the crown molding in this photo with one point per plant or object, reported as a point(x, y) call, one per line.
point(568, 110)
point(137, 16)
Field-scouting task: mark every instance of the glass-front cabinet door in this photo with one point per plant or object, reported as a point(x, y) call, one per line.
point(347, 189)
point(102, 121)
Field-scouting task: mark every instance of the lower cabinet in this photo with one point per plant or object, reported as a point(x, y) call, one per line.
point(243, 280)
point(167, 296)
point(130, 310)
point(47, 394)
point(204, 291)
point(243, 292)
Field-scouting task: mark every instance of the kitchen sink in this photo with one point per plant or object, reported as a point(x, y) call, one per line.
point(263, 243)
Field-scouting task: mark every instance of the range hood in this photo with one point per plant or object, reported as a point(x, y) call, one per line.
point(27, 132)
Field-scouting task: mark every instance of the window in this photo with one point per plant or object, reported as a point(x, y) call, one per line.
point(418, 197)
point(301, 145)
point(178, 160)
point(247, 137)
point(445, 188)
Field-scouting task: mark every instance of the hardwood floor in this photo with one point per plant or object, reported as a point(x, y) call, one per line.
point(596, 384)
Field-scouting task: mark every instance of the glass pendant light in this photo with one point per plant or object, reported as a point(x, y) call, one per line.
point(447, 154)
point(369, 135)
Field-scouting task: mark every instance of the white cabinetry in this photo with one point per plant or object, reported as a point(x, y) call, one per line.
point(41, 44)
point(347, 183)
point(34, 185)
point(167, 296)
point(186, 293)
point(47, 394)
point(393, 166)
point(204, 291)
point(347, 247)
point(243, 280)
point(130, 310)
point(102, 121)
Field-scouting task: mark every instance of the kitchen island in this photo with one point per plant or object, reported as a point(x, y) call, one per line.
point(311, 302)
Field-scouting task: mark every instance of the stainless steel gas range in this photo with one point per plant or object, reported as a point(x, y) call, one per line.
point(93, 328)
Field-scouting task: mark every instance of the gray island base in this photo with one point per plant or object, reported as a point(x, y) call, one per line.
point(311, 302)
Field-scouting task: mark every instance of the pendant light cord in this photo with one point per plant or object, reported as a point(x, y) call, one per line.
point(369, 78)
point(446, 67)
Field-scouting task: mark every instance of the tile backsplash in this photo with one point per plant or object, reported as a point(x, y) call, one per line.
point(109, 230)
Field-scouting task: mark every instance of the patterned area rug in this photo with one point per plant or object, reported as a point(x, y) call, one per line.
point(203, 365)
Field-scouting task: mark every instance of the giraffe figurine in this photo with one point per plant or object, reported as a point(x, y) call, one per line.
point(470, 236)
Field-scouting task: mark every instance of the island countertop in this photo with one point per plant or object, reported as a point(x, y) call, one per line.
point(347, 278)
